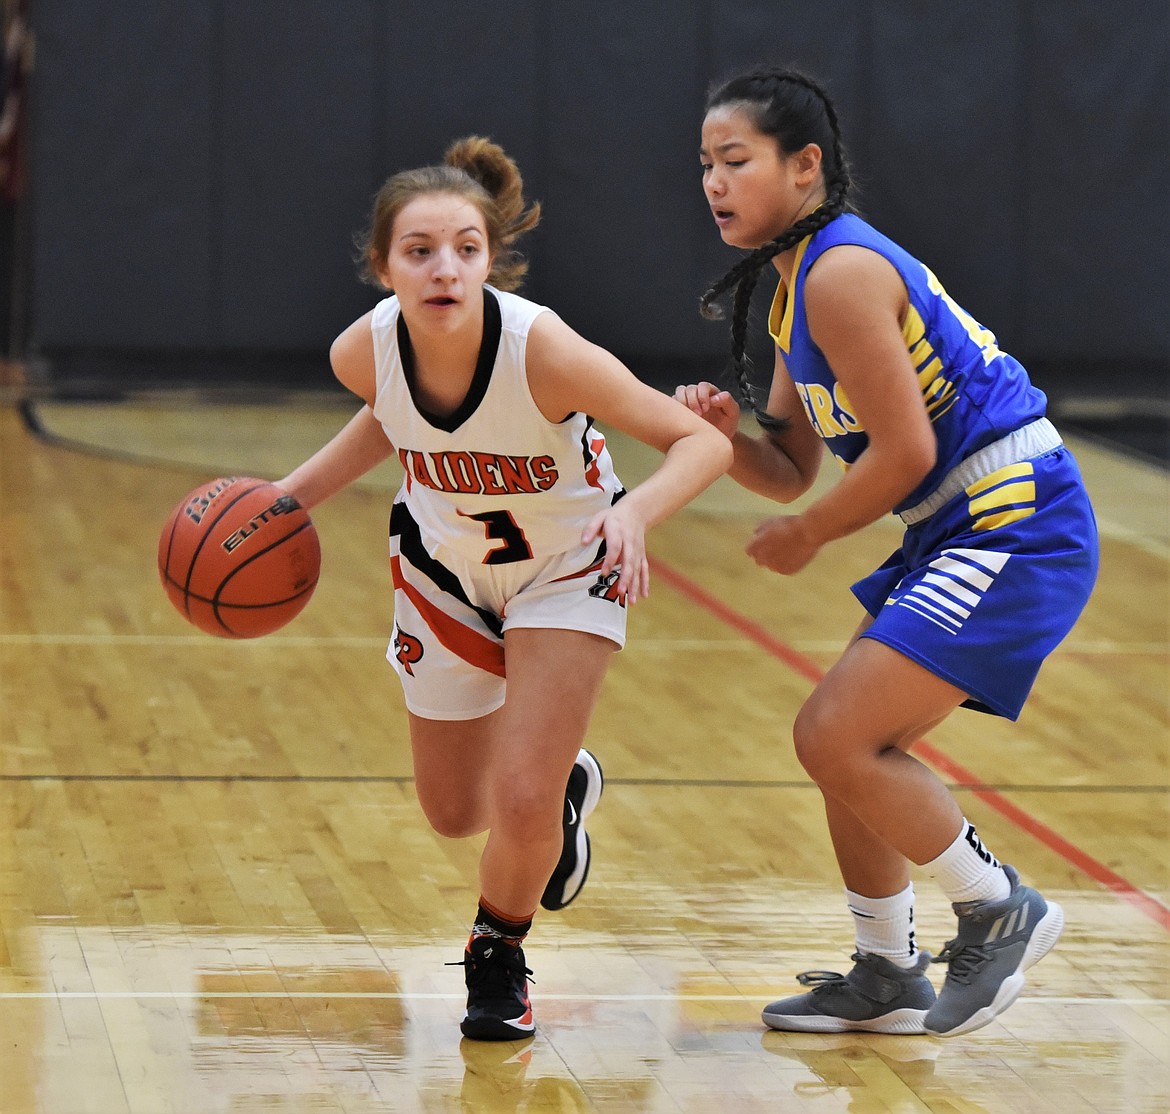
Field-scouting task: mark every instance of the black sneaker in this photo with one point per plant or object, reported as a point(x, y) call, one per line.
point(581, 796)
point(498, 1008)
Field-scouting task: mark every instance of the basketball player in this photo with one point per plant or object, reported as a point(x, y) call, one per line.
point(930, 419)
point(514, 548)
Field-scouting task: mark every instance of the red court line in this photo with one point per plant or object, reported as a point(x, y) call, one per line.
point(959, 774)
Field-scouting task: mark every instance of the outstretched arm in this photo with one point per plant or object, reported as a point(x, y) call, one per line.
point(780, 464)
point(855, 301)
point(362, 443)
point(567, 373)
point(357, 447)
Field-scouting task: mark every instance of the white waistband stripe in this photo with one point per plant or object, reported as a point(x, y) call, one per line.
point(1028, 441)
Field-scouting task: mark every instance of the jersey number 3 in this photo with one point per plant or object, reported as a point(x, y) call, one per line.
point(501, 526)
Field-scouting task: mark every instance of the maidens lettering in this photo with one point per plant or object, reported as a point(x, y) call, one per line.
point(480, 473)
point(282, 505)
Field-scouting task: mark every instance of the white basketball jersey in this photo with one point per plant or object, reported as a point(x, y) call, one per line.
point(495, 481)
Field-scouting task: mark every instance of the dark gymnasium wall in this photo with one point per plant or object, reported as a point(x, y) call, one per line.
point(198, 169)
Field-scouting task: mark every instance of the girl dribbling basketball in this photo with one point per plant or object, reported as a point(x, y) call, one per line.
point(514, 548)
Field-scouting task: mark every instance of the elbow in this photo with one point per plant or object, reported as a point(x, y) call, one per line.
point(803, 486)
point(806, 468)
point(725, 454)
point(927, 456)
point(919, 457)
point(335, 361)
point(710, 449)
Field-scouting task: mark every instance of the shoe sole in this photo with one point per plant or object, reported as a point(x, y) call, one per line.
point(492, 1029)
point(595, 782)
point(1040, 943)
point(897, 1021)
point(594, 785)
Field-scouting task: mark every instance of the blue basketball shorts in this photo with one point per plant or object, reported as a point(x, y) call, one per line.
point(982, 591)
point(450, 616)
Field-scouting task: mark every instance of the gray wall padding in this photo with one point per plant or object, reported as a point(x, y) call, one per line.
point(200, 168)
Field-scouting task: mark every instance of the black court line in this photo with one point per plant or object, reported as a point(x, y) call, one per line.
point(653, 783)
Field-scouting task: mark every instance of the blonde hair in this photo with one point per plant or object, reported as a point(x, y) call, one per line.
point(477, 170)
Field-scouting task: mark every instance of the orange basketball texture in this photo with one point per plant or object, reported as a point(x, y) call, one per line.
point(239, 557)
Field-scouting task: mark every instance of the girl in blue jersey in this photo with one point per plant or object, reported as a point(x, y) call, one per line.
point(931, 421)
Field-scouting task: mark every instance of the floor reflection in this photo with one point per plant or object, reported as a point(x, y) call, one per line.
point(163, 1018)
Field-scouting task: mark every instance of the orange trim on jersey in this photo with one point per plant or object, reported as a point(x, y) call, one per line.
point(475, 648)
point(593, 472)
point(577, 575)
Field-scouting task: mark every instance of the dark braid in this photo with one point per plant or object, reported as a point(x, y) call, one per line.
point(793, 123)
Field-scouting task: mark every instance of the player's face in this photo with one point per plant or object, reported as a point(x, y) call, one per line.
point(438, 260)
point(754, 191)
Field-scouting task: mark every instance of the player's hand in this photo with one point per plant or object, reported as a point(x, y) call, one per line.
point(625, 546)
point(708, 401)
point(782, 545)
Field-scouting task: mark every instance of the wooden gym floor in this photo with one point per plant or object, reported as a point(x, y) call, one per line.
point(217, 892)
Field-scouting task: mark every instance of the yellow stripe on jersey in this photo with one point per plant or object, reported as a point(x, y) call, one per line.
point(1001, 475)
point(940, 395)
point(1023, 492)
point(914, 334)
point(780, 315)
point(1002, 497)
point(938, 392)
point(920, 350)
point(995, 521)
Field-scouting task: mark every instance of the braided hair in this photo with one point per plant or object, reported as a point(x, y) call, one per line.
point(795, 111)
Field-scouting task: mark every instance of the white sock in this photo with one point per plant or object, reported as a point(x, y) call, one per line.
point(885, 926)
point(967, 871)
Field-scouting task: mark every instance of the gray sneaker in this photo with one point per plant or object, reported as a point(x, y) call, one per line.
point(877, 996)
point(997, 942)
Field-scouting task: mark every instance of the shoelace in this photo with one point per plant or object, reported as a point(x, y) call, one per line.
point(821, 980)
point(963, 961)
point(497, 973)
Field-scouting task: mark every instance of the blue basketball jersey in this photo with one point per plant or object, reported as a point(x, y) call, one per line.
point(974, 392)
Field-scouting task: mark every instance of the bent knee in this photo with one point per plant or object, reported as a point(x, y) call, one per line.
point(528, 815)
point(806, 740)
point(453, 819)
point(821, 745)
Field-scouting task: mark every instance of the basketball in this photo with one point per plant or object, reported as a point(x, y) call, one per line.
point(239, 557)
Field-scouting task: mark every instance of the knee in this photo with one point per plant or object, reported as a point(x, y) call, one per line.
point(452, 817)
point(528, 814)
point(818, 741)
point(524, 812)
point(806, 739)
